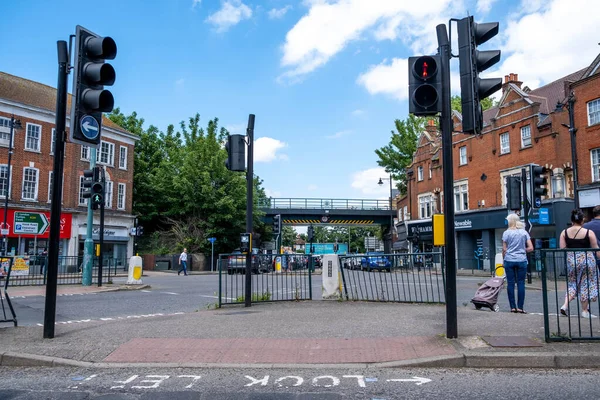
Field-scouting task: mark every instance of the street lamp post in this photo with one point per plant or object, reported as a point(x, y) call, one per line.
point(391, 208)
point(14, 124)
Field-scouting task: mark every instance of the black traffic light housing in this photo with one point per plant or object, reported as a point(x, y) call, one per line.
point(246, 242)
point(310, 233)
point(277, 224)
point(472, 61)
point(97, 195)
point(89, 176)
point(90, 76)
point(513, 193)
point(236, 153)
point(335, 247)
point(538, 183)
point(424, 85)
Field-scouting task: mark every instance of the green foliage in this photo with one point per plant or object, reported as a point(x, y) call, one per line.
point(265, 296)
point(398, 154)
point(288, 236)
point(183, 193)
point(486, 103)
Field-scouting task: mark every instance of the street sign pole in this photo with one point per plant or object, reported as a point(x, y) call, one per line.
point(102, 228)
point(59, 151)
point(212, 255)
point(448, 174)
point(526, 210)
point(249, 206)
point(88, 249)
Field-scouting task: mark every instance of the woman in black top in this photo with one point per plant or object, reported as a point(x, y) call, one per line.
point(581, 265)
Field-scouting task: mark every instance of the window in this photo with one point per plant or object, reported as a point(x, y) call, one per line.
point(595, 153)
point(558, 185)
point(463, 155)
point(4, 130)
point(526, 136)
point(420, 173)
point(121, 196)
point(406, 216)
point(82, 200)
point(429, 171)
point(425, 205)
point(107, 153)
point(30, 184)
point(504, 143)
point(594, 112)
point(50, 185)
point(123, 157)
point(108, 192)
point(33, 137)
point(53, 144)
point(461, 197)
point(85, 153)
point(4, 181)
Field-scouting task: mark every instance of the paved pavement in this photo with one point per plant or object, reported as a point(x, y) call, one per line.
point(304, 334)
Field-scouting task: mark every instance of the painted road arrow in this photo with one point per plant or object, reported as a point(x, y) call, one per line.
point(417, 380)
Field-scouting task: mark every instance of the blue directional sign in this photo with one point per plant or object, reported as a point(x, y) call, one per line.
point(538, 202)
point(212, 239)
point(89, 127)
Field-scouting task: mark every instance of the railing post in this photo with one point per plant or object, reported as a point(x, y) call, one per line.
point(544, 300)
point(220, 285)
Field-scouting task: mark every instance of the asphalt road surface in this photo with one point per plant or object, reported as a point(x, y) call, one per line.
point(170, 293)
point(329, 384)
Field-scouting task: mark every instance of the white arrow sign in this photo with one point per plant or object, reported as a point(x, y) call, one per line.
point(89, 127)
point(417, 380)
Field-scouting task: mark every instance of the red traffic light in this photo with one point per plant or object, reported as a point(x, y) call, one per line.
point(425, 67)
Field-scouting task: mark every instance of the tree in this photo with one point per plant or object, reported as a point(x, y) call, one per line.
point(486, 103)
point(398, 154)
point(288, 236)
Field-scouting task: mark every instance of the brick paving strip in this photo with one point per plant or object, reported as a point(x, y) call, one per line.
point(279, 351)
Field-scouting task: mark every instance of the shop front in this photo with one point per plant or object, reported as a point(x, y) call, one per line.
point(116, 241)
point(28, 233)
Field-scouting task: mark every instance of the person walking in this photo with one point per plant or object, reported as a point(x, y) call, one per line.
point(516, 243)
point(183, 262)
point(594, 226)
point(581, 265)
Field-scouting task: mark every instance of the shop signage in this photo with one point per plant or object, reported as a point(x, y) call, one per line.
point(20, 266)
point(107, 232)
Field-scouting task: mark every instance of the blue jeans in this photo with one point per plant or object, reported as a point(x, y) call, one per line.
point(516, 270)
point(183, 268)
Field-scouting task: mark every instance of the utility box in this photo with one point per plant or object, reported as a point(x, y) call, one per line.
point(331, 277)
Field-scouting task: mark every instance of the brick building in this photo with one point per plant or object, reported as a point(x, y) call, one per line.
point(32, 163)
point(526, 127)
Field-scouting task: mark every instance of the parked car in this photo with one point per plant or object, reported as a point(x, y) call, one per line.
point(236, 262)
point(317, 261)
point(375, 261)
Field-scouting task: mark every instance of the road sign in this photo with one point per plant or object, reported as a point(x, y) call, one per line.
point(4, 232)
point(212, 239)
point(89, 127)
point(30, 223)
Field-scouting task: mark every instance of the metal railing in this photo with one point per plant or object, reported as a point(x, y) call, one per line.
point(325, 204)
point(404, 278)
point(570, 272)
point(275, 277)
point(32, 270)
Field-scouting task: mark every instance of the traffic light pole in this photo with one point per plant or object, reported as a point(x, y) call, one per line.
point(526, 209)
point(100, 256)
point(57, 178)
point(446, 127)
point(249, 207)
point(88, 249)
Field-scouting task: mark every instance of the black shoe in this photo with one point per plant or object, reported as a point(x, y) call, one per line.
point(178, 272)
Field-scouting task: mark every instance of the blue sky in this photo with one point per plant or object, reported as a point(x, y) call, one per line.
point(326, 79)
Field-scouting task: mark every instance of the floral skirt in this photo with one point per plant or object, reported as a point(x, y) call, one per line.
point(582, 276)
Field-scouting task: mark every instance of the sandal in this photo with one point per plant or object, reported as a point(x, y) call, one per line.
point(521, 311)
point(564, 312)
point(513, 310)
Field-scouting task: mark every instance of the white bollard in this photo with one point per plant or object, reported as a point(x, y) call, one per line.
point(331, 277)
point(135, 271)
point(499, 269)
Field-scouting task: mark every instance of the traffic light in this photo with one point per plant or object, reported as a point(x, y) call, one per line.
point(139, 230)
point(310, 233)
point(97, 195)
point(473, 89)
point(335, 247)
point(513, 193)
point(276, 224)
point(538, 181)
point(88, 181)
point(91, 75)
point(236, 153)
point(424, 85)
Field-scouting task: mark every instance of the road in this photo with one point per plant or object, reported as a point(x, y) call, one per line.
point(328, 384)
point(170, 293)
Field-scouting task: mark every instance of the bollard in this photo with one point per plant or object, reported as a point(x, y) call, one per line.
point(135, 271)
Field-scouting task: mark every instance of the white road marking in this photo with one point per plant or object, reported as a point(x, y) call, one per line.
point(131, 379)
point(155, 382)
point(175, 294)
point(104, 319)
point(417, 380)
point(195, 377)
point(216, 297)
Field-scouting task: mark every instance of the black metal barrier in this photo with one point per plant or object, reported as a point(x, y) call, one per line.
point(571, 272)
point(405, 278)
point(32, 270)
point(5, 268)
point(275, 277)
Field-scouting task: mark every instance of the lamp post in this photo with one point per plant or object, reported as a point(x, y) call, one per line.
point(14, 124)
point(380, 183)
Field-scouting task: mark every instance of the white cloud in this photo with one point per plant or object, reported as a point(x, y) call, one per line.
point(230, 14)
point(196, 3)
point(366, 181)
point(543, 45)
point(272, 193)
point(484, 6)
point(358, 112)
point(236, 129)
point(387, 78)
point(329, 26)
point(275, 13)
point(312, 187)
point(179, 82)
point(266, 150)
point(339, 134)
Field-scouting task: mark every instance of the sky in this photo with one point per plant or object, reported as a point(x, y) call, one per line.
point(325, 78)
